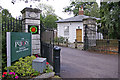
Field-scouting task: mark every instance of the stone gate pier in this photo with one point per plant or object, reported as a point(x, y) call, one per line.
point(31, 23)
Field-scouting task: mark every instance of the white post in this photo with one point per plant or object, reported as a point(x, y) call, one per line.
point(8, 50)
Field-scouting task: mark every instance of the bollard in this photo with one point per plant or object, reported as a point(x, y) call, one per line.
point(56, 60)
point(118, 46)
point(66, 42)
point(75, 43)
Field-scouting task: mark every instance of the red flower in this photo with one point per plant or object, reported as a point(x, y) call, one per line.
point(4, 73)
point(47, 63)
point(36, 55)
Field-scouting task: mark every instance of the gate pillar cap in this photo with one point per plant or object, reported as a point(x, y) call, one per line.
point(31, 10)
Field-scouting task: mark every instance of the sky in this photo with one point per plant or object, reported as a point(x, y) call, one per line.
point(58, 5)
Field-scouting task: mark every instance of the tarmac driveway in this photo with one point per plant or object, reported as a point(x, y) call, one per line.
point(83, 64)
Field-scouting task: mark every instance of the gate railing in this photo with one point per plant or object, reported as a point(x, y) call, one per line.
point(100, 44)
point(12, 25)
point(9, 25)
point(47, 43)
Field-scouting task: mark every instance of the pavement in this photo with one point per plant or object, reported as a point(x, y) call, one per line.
point(83, 64)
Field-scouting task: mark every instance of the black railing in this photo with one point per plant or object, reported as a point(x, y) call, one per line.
point(47, 43)
point(12, 25)
point(9, 24)
point(99, 44)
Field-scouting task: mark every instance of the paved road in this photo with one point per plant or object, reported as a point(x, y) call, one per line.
point(83, 64)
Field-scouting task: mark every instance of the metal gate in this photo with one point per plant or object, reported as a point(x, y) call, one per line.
point(47, 43)
point(98, 40)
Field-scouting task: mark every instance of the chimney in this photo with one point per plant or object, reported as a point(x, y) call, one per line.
point(81, 12)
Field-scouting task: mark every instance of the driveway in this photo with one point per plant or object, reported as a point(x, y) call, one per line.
point(83, 64)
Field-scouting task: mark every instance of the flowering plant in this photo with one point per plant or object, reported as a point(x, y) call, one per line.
point(7, 75)
point(48, 69)
point(47, 63)
point(36, 55)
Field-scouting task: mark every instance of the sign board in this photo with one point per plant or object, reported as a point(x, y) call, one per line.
point(34, 29)
point(18, 45)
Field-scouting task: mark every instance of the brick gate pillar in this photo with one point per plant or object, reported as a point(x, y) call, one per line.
point(31, 23)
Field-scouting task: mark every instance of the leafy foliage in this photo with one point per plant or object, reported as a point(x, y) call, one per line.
point(90, 8)
point(59, 39)
point(49, 21)
point(23, 67)
point(47, 70)
point(110, 19)
point(48, 16)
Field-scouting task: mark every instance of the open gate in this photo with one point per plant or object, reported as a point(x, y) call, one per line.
point(47, 43)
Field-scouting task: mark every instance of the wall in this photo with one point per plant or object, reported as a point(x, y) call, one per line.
point(72, 30)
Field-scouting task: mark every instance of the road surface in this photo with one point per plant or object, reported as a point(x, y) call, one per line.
point(83, 64)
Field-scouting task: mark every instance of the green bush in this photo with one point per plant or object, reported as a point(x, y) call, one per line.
point(59, 39)
point(4, 54)
point(23, 67)
point(48, 69)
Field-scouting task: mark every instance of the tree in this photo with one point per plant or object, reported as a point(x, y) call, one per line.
point(46, 9)
point(48, 16)
point(49, 21)
point(6, 15)
point(90, 8)
point(110, 19)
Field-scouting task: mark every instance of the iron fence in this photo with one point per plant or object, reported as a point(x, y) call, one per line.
point(100, 41)
point(9, 24)
point(12, 25)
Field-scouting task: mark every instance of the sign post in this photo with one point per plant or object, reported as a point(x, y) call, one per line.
point(18, 45)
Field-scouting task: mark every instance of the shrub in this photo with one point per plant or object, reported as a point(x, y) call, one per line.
point(23, 67)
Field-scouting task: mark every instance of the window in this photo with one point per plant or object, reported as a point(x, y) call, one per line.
point(66, 31)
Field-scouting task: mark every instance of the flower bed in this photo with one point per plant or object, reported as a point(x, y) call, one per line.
point(9, 75)
point(23, 69)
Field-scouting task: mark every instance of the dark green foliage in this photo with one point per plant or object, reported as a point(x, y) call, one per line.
point(49, 21)
point(110, 19)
